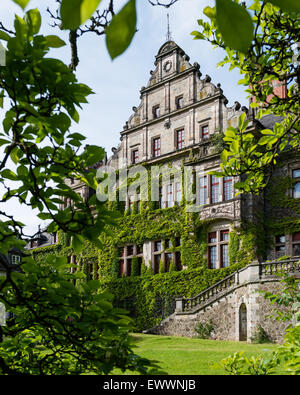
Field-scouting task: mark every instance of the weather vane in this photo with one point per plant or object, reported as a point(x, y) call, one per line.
point(169, 37)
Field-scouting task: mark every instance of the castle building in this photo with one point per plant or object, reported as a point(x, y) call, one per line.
point(179, 122)
point(195, 224)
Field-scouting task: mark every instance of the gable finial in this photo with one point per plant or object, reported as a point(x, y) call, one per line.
point(169, 37)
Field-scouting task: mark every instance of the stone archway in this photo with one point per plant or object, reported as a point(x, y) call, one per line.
point(243, 322)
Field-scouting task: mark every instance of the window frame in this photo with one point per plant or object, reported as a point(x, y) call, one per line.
point(156, 111)
point(295, 243)
point(297, 183)
point(227, 180)
point(179, 102)
point(134, 157)
point(156, 147)
point(212, 185)
point(204, 132)
point(180, 138)
point(216, 243)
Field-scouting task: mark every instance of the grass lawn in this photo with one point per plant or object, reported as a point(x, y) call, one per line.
point(185, 356)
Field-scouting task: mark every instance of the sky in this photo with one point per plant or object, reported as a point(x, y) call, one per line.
point(117, 83)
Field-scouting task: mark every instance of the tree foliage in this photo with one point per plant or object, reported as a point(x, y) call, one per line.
point(62, 324)
point(267, 62)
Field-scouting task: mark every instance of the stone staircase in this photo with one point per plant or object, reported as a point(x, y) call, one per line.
point(253, 274)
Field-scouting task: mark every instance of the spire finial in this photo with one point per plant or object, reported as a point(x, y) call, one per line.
point(169, 37)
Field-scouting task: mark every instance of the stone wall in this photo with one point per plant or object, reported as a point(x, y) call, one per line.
point(225, 316)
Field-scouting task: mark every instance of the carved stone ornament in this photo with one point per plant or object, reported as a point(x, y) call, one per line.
point(167, 65)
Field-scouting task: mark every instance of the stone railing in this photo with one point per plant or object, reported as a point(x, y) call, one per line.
point(187, 304)
point(255, 272)
point(274, 268)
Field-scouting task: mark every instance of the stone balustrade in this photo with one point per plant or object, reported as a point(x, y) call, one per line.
point(254, 272)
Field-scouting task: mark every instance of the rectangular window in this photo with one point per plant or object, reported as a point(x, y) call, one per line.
point(157, 246)
point(156, 147)
point(130, 203)
point(280, 247)
point(212, 237)
point(15, 259)
point(212, 257)
point(156, 112)
point(178, 192)
point(170, 201)
point(178, 241)
point(168, 243)
point(161, 201)
point(203, 190)
point(224, 235)
point(168, 258)
point(122, 267)
point(204, 132)
point(156, 263)
point(296, 189)
point(296, 173)
point(224, 255)
point(178, 260)
point(129, 263)
point(139, 249)
point(227, 188)
point(215, 183)
point(135, 156)
point(180, 139)
point(129, 250)
point(179, 102)
point(296, 244)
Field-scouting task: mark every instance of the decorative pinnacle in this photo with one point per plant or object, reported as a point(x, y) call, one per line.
point(168, 36)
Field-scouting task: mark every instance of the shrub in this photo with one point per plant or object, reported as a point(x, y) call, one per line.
point(205, 329)
point(260, 336)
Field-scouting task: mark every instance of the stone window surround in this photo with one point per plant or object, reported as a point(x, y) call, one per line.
point(127, 258)
point(156, 111)
point(133, 199)
point(208, 189)
point(152, 146)
point(181, 128)
point(175, 192)
point(134, 157)
point(162, 253)
point(179, 102)
point(218, 229)
point(201, 125)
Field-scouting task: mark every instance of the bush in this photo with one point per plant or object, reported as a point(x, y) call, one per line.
point(260, 336)
point(205, 329)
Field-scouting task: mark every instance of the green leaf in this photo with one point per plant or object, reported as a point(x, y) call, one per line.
point(15, 155)
point(54, 41)
point(33, 19)
point(75, 12)
point(121, 30)
point(287, 5)
point(235, 25)
point(21, 3)
point(9, 174)
point(4, 36)
point(210, 12)
point(77, 243)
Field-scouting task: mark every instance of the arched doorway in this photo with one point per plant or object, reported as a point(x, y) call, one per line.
point(243, 322)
